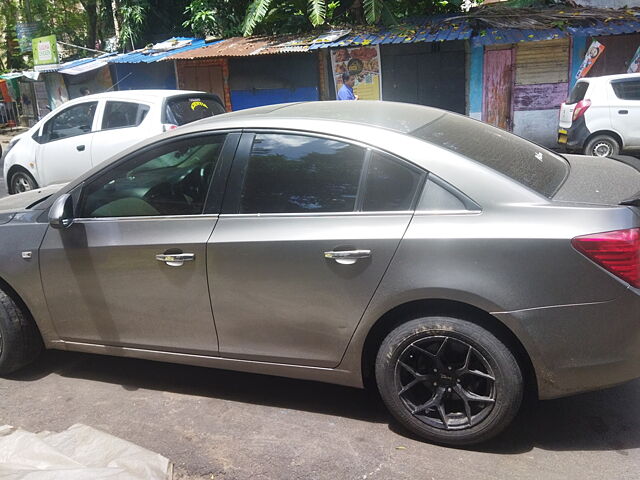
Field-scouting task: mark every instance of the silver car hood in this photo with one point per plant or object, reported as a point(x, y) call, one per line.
point(20, 201)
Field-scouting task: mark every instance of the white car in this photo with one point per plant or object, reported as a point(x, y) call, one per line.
point(602, 115)
point(88, 130)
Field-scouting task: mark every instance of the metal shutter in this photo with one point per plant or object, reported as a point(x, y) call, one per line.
point(542, 62)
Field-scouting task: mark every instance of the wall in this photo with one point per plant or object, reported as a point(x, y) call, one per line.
point(133, 76)
point(271, 79)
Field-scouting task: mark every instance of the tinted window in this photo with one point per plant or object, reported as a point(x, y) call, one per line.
point(123, 114)
point(578, 92)
point(390, 185)
point(527, 163)
point(182, 110)
point(295, 173)
point(627, 89)
point(73, 121)
point(170, 180)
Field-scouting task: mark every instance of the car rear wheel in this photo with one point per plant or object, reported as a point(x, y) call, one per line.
point(449, 380)
point(21, 181)
point(602, 146)
point(20, 341)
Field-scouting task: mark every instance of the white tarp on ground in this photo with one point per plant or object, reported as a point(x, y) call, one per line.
point(80, 452)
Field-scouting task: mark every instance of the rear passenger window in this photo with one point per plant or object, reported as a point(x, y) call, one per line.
point(123, 114)
point(297, 173)
point(626, 89)
point(390, 185)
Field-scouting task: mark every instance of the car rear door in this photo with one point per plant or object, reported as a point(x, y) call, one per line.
point(122, 124)
point(131, 269)
point(624, 96)
point(309, 226)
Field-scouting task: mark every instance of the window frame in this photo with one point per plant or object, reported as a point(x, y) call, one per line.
point(103, 112)
point(232, 199)
point(215, 191)
point(41, 137)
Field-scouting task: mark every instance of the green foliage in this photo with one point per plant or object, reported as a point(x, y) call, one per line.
point(221, 18)
point(256, 13)
point(317, 12)
point(133, 14)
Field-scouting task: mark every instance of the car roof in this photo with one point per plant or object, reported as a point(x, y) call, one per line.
point(399, 117)
point(140, 94)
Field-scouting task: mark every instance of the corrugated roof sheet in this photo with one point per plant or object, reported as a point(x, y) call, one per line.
point(150, 55)
point(246, 46)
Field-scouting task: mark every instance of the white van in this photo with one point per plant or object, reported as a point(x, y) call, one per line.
point(602, 116)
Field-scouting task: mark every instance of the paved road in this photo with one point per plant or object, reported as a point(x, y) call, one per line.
point(234, 426)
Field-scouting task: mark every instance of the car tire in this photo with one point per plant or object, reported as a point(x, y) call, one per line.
point(20, 341)
point(602, 146)
point(448, 380)
point(21, 181)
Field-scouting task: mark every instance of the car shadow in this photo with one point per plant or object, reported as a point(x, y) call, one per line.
point(607, 420)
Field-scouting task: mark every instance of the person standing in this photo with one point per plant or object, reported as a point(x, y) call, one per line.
point(346, 91)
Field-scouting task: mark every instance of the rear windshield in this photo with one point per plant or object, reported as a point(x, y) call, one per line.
point(183, 110)
point(578, 92)
point(527, 163)
point(627, 89)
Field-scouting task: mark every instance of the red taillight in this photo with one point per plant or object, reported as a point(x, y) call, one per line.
point(581, 107)
point(168, 126)
point(618, 252)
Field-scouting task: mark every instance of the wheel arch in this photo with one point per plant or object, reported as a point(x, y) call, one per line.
point(616, 136)
point(18, 168)
point(7, 289)
point(451, 308)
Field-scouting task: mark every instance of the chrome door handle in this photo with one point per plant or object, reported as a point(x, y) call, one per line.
point(347, 257)
point(175, 259)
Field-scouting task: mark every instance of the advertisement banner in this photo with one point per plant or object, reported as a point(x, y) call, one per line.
point(45, 50)
point(634, 66)
point(26, 32)
point(361, 63)
point(594, 52)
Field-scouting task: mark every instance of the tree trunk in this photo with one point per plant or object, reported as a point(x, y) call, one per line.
point(115, 6)
point(91, 9)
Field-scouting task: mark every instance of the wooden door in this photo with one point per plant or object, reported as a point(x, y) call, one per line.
point(206, 78)
point(498, 86)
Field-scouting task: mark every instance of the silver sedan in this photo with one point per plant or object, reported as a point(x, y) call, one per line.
point(454, 266)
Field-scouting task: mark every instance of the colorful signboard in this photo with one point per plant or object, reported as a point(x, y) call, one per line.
point(45, 50)
point(363, 63)
point(594, 52)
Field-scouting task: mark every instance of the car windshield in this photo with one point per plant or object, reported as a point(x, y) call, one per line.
point(527, 163)
point(183, 110)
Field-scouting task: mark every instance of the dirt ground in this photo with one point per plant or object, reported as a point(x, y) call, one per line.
point(234, 426)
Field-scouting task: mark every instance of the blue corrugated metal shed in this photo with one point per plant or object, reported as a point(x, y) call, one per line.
point(149, 56)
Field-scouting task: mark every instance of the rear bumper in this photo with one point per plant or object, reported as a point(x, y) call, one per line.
point(584, 347)
point(574, 136)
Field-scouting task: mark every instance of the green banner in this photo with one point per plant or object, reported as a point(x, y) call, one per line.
point(45, 50)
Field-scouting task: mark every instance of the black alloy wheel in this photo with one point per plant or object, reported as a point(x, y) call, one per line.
point(449, 380)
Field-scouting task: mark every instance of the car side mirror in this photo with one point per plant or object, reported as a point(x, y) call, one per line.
point(61, 212)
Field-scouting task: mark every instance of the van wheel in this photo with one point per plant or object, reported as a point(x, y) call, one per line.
point(448, 380)
point(602, 146)
point(21, 181)
point(20, 341)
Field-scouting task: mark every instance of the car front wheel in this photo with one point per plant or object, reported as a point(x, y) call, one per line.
point(21, 181)
point(20, 341)
point(448, 380)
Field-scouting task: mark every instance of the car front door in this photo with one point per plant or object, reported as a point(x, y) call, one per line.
point(65, 144)
point(625, 110)
point(131, 269)
point(309, 226)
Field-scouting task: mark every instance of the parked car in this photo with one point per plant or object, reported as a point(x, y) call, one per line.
point(453, 264)
point(601, 116)
point(88, 130)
